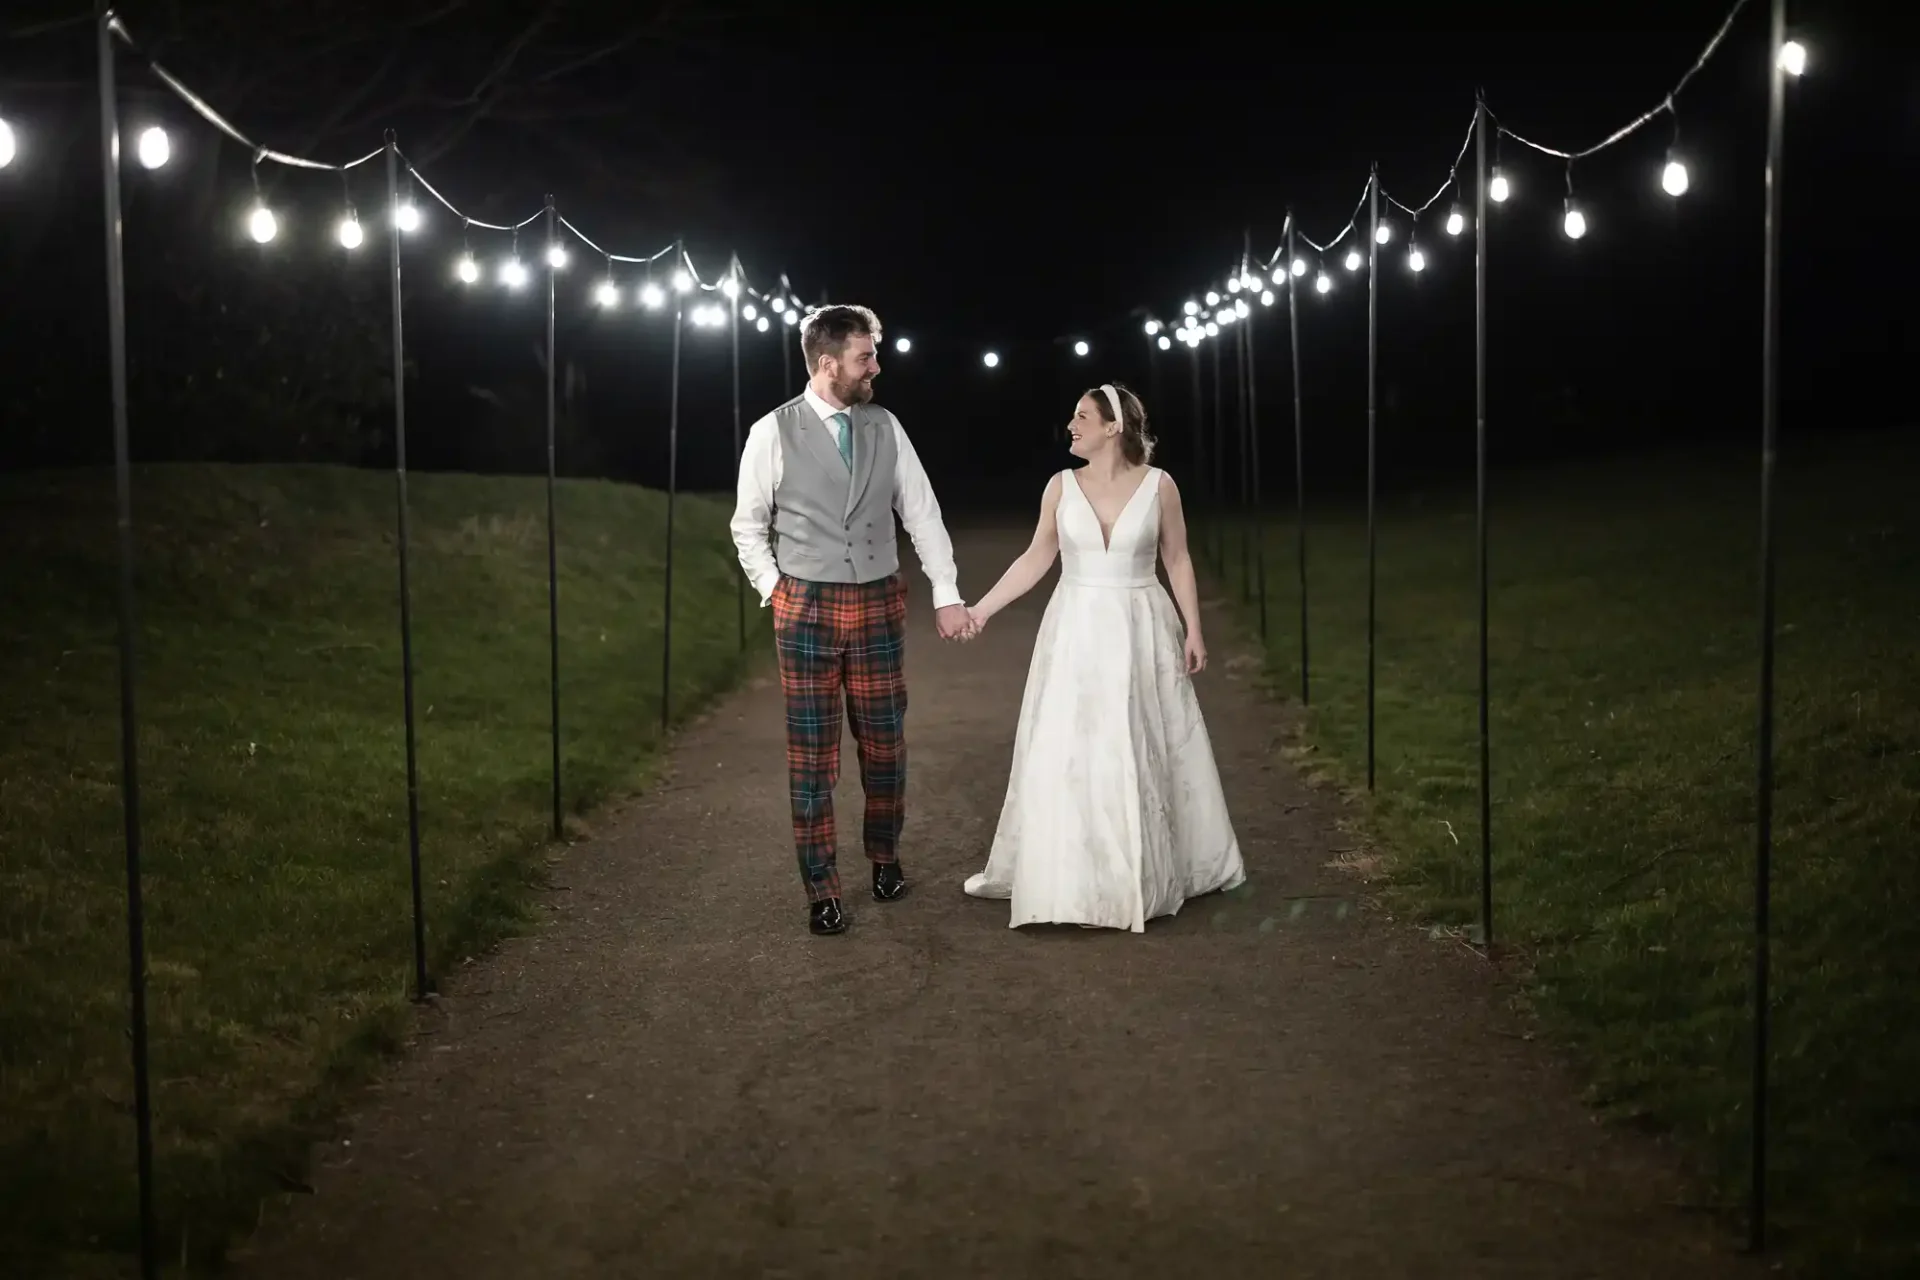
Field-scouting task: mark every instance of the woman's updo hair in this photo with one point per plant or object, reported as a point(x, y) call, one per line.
point(1136, 441)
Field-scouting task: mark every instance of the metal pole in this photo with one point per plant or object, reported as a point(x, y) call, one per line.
point(1219, 466)
point(1253, 476)
point(1373, 382)
point(786, 346)
point(553, 541)
point(673, 485)
point(129, 721)
point(406, 590)
point(1299, 463)
point(1769, 429)
point(1243, 355)
point(1480, 509)
point(1199, 416)
point(739, 448)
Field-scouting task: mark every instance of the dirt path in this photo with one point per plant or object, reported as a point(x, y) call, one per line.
point(673, 1078)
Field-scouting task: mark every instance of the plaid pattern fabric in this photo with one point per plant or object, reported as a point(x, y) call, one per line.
point(836, 641)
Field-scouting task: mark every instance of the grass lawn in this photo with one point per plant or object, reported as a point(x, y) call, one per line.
point(272, 752)
point(1624, 668)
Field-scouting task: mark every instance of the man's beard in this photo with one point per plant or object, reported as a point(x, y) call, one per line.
point(858, 392)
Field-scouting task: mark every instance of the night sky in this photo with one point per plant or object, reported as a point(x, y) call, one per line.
point(986, 185)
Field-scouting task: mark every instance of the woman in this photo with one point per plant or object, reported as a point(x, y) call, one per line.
point(1114, 813)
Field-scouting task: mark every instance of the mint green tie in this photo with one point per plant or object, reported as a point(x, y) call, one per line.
point(846, 438)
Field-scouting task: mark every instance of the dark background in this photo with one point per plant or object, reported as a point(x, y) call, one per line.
point(982, 181)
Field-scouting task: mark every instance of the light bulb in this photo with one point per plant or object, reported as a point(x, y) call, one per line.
point(1299, 266)
point(761, 324)
point(351, 236)
point(556, 257)
point(1223, 316)
point(1353, 259)
point(1266, 298)
point(9, 145)
point(1081, 348)
point(1251, 281)
point(1673, 178)
point(407, 216)
point(1383, 233)
point(153, 148)
point(903, 345)
point(1499, 189)
point(1240, 308)
point(991, 360)
point(1576, 222)
point(1793, 58)
point(730, 287)
point(262, 225)
point(1213, 298)
point(1323, 284)
point(1153, 327)
point(1417, 260)
point(1233, 285)
point(1166, 343)
point(652, 296)
point(682, 282)
point(792, 317)
point(749, 313)
point(1213, 330)
point(468, 270)
point(1192, 308)
point(513, 273)
point(608, 294)
point(1456, 223)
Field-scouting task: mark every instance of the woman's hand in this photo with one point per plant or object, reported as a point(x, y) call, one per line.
point(1196, 653)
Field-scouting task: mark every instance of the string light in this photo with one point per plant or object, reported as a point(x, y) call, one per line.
point(991, 359)
point(406, 216)
point(1241, 309)
point(1323, 283)
point(557, 257)
point(1213, 298)
point(1354, 260)
point(1166, 344)
point(351, 236)
point(1300, 265)
point(1793, 58)
point(652, 296)
point(1673, 178)
point(607, 294)
point(1383, 233)
point(682, 282)
point(1416, 260)
point(1575, 223)
point(262, 225)
point(792, 318)
point(153, 148)
point(1192, 308)
point(1213, 330)
point(1498, 188)
point(1456, 222)
point(903, 345)
point(1266, 298)
point(730, 287)
point(1153, 327)
point(761, 324)
point(9, 145)
point(468, 270)
point(1081, 349)
point(1233, 285)
point(513, 273)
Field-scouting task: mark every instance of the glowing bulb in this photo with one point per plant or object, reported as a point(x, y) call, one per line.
point(1192, 308)
point(608, 294)
point(153, 148)
point(792, 317)
point(1224, 316)
point(407, 216)
point(351, 236)
point(1240, 308)
point(556, 257)
point(468, 270)
point(1417, 260)
point(1153, 327)
point(761, 324)
point(1166, 343)
point(1499, 189)
point(1213, 298)
point(1233, 285)
point(1324, 284)
point(1266, 298)
point(903, 345)
point(1280, 274)
point(1673, 179)
point(513, 273)
point(991, 360)
point(652, 296)
point(262, 225)
point(730, 287)
point(1251, 281)
point(1213, 330)
point(748, 313)
point(1081, 348)
point(1299, 266)
point(1383, 233)
point(1793, 58)
point(1576, 222)
point(9, 145)
point(1456, 223)
point(1353, 259)
point(682, 282)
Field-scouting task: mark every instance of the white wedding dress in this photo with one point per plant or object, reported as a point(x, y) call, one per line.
point(1114, 813)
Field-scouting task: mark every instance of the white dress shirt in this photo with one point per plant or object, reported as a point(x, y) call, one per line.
point(761, 463)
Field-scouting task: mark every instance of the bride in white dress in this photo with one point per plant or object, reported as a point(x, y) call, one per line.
point(1114, 813)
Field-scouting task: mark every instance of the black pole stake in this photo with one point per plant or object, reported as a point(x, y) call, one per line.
point(553, 541)
point(1299, 464)
point(739, 448)
point(1373, 383)
point(1480, 512)
point(673, 486)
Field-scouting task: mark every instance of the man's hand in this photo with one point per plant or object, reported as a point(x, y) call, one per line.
point(954, 621)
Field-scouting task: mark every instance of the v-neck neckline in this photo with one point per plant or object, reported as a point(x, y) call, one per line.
point(1106, 534)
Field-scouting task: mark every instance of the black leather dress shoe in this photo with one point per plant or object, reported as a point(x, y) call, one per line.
point(827, 917)
point(889, 881)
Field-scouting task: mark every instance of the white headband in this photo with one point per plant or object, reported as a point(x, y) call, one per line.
point(1113, 398)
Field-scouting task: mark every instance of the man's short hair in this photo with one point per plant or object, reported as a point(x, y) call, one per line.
point(825, 332)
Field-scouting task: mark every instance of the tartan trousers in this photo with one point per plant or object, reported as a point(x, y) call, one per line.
point(843, 640)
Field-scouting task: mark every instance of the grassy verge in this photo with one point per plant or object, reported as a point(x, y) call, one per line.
point(1624, 674)
point(272, 749)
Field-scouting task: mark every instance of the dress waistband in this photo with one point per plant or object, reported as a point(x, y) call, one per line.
point(1110, 584)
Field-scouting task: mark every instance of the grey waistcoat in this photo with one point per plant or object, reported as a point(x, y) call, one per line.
point(829, 526)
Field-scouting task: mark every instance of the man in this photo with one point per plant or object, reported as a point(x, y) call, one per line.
point(820, 480)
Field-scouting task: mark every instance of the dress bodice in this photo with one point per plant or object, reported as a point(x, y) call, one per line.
point(1129, 558)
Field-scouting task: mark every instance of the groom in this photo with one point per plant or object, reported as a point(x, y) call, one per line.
point(820, 479)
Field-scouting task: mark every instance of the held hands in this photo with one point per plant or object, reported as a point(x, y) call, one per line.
point(1196, 653)
point(956, 622)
